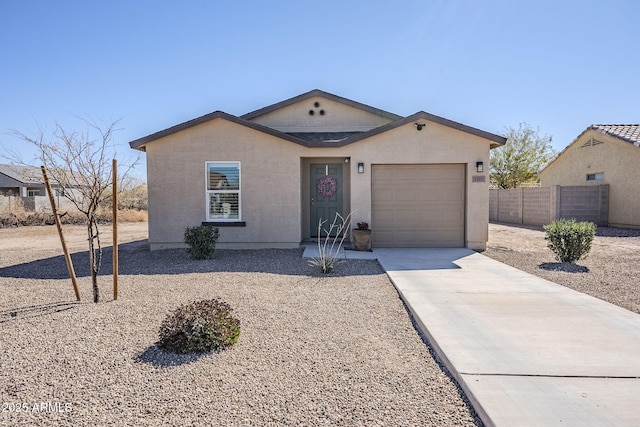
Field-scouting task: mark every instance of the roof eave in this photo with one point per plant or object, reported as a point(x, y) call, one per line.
point(496, 140)
point(594, 128)
point(139, 144)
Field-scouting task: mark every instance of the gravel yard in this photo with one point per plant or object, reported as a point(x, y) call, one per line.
point(610, 272)
point(314, 350)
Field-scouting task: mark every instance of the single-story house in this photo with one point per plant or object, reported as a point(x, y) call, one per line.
point(268, 177)
point(603, 154)
point(23, 181)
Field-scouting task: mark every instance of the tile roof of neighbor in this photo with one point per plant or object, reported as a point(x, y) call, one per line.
point(629, 133)
point(315, 140)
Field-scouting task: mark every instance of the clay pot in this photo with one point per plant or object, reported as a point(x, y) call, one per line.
point(361, 239)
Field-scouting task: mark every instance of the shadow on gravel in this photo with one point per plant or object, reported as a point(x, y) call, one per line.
point(157, 357)
point(136, 259)
point(16, 314)
point(601, 231)
point(567, 267)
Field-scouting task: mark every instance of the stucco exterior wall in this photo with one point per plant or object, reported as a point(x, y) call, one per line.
point(270, 190)
point(618, 160)
point(273, 187)
point(434, 144)
point(336, 117)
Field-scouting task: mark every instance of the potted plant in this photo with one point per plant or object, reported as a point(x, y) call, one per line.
point(361, 236)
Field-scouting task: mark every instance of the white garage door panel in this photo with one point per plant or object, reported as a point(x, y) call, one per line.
point(418, 205)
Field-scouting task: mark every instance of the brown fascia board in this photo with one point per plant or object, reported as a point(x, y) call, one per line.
point(323, 94)
point(139, 144)
point(497, 140)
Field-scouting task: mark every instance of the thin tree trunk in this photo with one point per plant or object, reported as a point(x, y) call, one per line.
point(94, 257)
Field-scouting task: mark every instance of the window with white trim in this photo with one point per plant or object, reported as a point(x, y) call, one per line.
point(223, 191)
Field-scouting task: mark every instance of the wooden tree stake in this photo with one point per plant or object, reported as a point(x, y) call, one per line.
point(115, 228)
point(67, 257)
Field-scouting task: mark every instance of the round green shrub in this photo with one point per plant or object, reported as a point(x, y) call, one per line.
point(201, 241)
point(570, 240)
point(199, 327)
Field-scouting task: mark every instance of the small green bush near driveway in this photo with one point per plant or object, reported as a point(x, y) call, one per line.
point(570, 240)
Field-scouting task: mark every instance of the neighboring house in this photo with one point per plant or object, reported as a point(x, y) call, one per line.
point(603, 154)
point(268, 177)
point(23, 181)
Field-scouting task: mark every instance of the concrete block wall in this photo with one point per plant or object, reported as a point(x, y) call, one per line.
point(585, 203)
point(509, 205)
point(536, 206)
point(542, 205)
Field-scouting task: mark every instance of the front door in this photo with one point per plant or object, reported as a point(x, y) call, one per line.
point(326, 194)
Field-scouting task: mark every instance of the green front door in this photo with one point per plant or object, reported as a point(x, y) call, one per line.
point(326, 194)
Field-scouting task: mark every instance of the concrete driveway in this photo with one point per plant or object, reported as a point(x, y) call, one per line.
point(526, 351)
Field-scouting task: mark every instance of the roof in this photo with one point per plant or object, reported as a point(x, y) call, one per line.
point(23, 174)
point(629, 133)
point(323, 94)
point(319, 139)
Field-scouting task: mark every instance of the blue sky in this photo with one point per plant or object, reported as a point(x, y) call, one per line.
point(557, 65)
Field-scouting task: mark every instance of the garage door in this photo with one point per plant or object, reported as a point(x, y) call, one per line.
point(418, 205)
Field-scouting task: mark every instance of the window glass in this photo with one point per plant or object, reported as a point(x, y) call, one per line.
point(595, 177)
point(223, 191)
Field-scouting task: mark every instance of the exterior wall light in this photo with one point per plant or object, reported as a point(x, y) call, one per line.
point(479, 167)
point(360, 167)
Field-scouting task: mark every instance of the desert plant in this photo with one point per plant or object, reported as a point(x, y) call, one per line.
point(570, 240)
point(363, 226)
point(199, 327)
point(201, 241)
point(329, 246)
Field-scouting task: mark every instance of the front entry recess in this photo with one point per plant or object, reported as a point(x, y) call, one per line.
point(326, 194)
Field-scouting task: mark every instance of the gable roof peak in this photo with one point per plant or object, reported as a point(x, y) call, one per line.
point(319, 93)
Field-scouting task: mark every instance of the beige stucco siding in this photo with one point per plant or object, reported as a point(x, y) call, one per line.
point(275, 182)
point(270, 190)
point(617, 159)
point(337, 117)
point(435, 144)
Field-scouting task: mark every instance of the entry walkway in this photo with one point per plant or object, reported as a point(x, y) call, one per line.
point(527, 352)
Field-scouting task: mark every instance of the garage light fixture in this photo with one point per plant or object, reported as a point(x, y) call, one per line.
point(479, 167)
point(360, 167)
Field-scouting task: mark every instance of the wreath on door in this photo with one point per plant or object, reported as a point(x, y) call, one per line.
point(327, 186)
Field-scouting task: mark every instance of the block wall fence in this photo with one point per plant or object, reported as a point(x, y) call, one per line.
point(542, 205)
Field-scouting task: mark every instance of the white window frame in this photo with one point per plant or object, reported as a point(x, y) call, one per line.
point(208, 192)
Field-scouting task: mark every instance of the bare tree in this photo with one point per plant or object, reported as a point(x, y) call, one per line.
point(81, 165)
